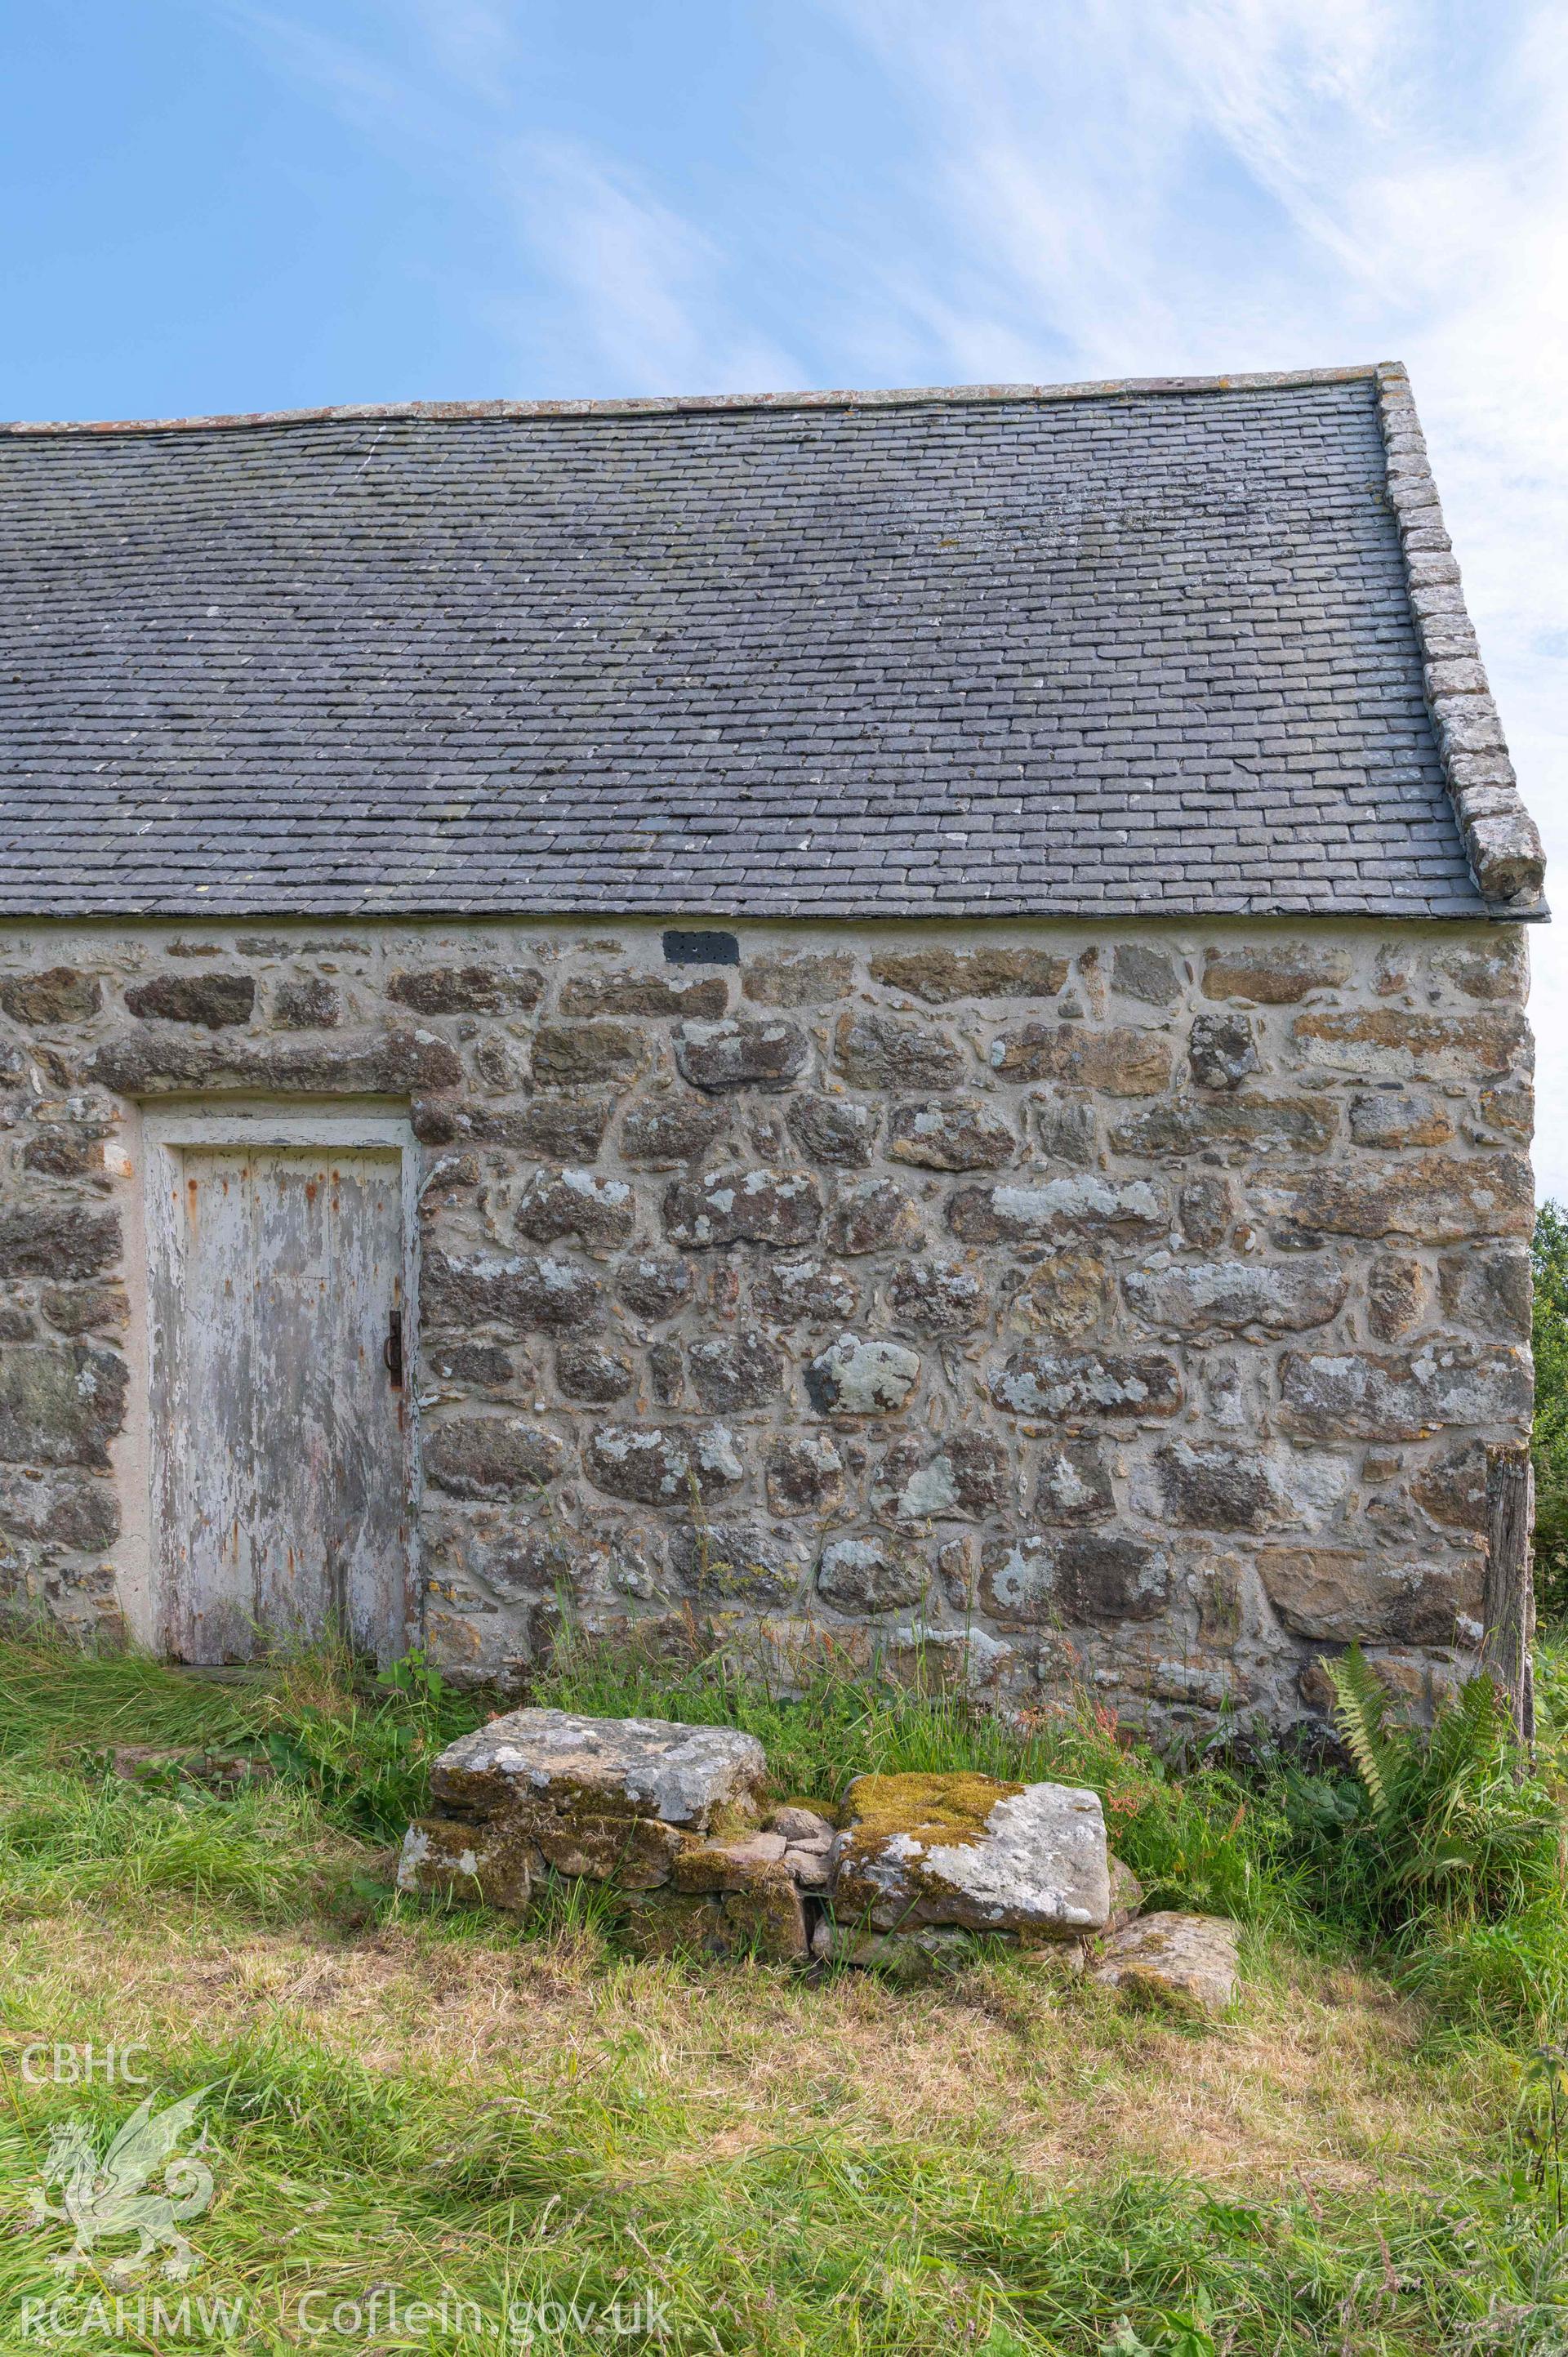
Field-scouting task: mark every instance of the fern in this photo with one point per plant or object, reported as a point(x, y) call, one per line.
point(1361, 1714)
point(1466, 1735)
point(1455, 1833)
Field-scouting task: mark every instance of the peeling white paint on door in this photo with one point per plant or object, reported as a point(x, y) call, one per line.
point(278, 1423)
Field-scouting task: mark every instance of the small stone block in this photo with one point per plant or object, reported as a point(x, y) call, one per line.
point(220, 1771)
point(741, 1864)
point(637, 1852)
point(1183, 1963)
point(810, 1864)
point(901, 1955)
point(799, 1825)
point(1126, 1895)
point(767, 1922)
point(675, 1924)
point(492, 1865)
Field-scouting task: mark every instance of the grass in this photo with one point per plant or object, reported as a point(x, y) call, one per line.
point(522, 2118)
point(1548, 1438)
point(1006, 2164)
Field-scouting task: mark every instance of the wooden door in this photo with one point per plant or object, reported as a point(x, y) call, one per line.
point(278, 1408)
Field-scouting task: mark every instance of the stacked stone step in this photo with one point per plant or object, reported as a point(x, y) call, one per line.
point(672, 1816)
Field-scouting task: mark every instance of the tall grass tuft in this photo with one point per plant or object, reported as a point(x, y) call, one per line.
point(349, 1756)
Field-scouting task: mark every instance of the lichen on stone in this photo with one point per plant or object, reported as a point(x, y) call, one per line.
point(951, 1808)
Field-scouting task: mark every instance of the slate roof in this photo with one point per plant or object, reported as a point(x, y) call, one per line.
point(1075, 650)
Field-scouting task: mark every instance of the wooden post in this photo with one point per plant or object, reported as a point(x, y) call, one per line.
point(1509, 1609)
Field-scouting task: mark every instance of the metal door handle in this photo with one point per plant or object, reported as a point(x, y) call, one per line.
point(391, 1348)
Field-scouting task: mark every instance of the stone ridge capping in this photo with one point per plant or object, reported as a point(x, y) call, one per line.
point(1501, 841)
point(930, 396)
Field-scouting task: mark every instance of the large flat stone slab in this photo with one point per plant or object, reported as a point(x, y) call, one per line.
point(571, 1765)
point(1185, 1963)
point(972, 1851)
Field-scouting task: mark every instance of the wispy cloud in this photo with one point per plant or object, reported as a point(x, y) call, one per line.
point(649, 287)
point(1032, 117)
point(475, 44)
point(1116, 175)
point(1438, 188)
point(371, 90)
point(650, 295)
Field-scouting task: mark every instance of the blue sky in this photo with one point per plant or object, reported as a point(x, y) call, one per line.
point(212, 205)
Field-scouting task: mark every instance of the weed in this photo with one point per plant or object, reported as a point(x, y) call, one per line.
point(367, 1759)
point(1542, 2101)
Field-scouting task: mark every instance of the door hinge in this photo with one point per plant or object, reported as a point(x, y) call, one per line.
point(391, 1350)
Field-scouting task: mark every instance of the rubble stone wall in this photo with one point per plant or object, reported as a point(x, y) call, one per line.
point(1132, 1305)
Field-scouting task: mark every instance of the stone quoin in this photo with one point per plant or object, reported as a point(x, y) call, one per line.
point(895, 1015)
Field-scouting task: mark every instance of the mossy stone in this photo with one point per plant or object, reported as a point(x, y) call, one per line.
point(972, 1851)
point(951, 1808)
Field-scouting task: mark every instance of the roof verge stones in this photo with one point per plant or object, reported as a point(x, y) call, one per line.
point(1501, 840)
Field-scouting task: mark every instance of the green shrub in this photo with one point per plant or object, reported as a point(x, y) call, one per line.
point(1454, 1825)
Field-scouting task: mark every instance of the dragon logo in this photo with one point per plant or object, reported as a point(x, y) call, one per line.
point(108, 2198)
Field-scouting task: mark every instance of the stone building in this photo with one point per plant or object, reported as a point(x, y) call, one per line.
point(890, 1015)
